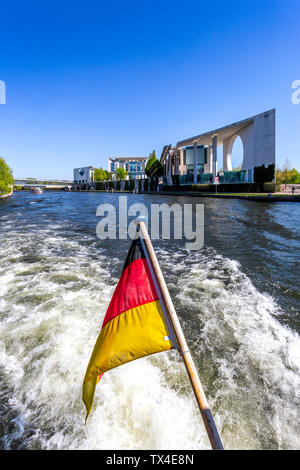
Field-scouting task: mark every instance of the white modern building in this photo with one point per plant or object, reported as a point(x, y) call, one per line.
point(195, 159)
point(135, 166)
point(84, 175)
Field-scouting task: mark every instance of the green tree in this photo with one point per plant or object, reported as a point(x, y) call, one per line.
point(121, 173)
point(287, 176)
point(99, 174)
point(107, 175)
point(150, 162)
point(286, 168)
point(156, 169)
point(6, 177)
point(294, 176)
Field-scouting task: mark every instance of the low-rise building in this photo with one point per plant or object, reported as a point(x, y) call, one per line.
point(84, 175)
point(135, 166)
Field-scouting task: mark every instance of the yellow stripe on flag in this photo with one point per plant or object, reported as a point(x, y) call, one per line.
point(133, 334)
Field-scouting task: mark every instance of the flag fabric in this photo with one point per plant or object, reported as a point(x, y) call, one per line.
point(134, 325)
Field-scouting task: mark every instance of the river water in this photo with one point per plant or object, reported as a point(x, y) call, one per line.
point(237, 299)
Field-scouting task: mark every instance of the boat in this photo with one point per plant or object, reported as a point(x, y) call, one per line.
point(37, 190)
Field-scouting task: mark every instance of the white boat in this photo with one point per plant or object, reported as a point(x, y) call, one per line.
point(37, 190)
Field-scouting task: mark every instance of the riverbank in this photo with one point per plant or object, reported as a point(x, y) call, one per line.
point(4, 196)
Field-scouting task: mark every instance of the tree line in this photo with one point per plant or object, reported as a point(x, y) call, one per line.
point(101, 175)
point(153, 168)
point(6, 177)
point(287, 174)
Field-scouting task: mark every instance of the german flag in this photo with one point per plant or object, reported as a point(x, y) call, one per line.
point(134, 325)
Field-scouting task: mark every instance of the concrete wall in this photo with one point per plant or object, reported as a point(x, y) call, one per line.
point(258, 140)
point(264, 139)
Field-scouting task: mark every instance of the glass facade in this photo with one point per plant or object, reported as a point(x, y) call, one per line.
point(186, 179)
point(232, 176)
point(206, 178)
point(188, 156)
point(134, 168)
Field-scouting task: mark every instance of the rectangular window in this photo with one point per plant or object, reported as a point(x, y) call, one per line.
point(189, 155)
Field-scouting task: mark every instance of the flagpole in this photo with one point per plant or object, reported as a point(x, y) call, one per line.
point(206, 414)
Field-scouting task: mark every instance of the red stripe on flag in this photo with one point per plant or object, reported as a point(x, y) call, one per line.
point(134, 288)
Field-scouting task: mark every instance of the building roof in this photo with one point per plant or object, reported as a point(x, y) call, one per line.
point(222, 132)
point(91, 167)
point(128, 158)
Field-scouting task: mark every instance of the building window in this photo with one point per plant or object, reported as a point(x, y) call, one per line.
point(189, 155)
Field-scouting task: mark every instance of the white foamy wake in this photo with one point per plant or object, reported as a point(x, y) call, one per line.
point(252, 358)
point(52, 307)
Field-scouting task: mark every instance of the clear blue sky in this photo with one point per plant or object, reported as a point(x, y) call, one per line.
point(90, 79)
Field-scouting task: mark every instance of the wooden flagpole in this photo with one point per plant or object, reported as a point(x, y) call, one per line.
point(207, 417)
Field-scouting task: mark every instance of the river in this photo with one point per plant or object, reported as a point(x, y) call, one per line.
point(237, 298)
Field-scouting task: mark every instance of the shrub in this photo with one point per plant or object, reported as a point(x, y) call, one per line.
point(263, 174)
point(99, 185)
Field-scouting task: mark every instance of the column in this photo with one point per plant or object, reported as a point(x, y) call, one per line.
point(169, 167)
point(176, 162)
point(208, 167)
point(195, 162)
point(214, 154)
point(180, 161)
point(227, 152)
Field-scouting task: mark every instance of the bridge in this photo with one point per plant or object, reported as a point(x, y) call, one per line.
point(28, 183)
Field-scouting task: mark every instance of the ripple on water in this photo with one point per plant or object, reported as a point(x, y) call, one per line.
point(53, 298)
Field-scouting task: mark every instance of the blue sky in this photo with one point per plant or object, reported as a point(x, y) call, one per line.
point(86, 80)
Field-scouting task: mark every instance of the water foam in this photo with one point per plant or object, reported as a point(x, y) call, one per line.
point(53, 304)
point(251, 357)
